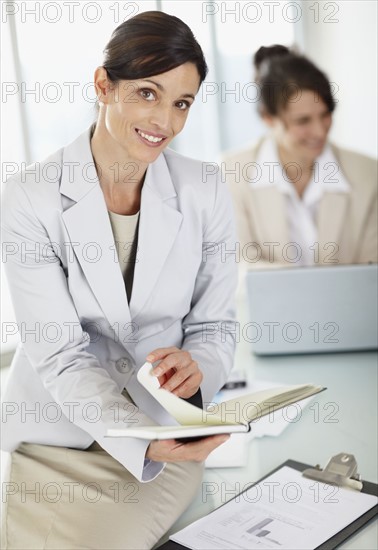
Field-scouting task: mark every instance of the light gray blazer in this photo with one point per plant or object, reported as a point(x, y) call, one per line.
point(67, 287)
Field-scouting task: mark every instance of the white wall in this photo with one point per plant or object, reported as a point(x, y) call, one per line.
point(12, 151)
point(344, 44)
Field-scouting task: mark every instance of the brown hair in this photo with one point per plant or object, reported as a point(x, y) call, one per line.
point(151, 43)
point(281, 73)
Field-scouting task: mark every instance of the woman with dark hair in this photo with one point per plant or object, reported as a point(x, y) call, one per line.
point(116, 261)
point(299, 199)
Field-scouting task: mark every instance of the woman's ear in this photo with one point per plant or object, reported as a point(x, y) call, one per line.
point(102, 85)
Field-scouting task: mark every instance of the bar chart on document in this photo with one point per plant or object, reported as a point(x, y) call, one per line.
point(259, 531)
point(285, 510)
point(255, 531)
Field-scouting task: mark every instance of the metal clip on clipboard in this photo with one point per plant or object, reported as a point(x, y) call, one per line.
point(341, 470)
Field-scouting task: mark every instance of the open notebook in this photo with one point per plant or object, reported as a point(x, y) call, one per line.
point(232, 416)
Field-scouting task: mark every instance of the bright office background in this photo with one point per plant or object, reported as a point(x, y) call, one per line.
point(54, 48)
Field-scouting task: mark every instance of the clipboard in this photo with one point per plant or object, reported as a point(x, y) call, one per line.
point(319, 475)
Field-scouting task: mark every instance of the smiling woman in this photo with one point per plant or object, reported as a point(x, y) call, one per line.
point(301, 200)
point(128, 267)
point(140, 119)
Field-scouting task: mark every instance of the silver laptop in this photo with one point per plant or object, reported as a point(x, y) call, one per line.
point(312, 309)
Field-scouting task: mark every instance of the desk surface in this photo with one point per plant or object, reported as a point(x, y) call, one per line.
point(341, 419)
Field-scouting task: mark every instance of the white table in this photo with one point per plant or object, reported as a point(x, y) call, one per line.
point(341, 419)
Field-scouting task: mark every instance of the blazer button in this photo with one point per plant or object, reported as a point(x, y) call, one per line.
point(123, 365)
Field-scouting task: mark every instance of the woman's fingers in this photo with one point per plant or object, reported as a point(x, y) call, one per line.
point(180, 375)
point(189, 386)
point(160, 353)
point(175, 360)
point(171, 450)
point(177, 372)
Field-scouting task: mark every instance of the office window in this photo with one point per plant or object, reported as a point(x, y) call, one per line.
point(224, 115)
point(60, 46)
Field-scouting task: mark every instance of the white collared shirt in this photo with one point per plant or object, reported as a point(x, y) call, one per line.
point(301, 212)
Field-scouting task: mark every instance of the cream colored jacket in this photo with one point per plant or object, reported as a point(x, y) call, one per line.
point(346, 222)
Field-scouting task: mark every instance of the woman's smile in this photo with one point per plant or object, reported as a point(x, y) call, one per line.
point(151, 139)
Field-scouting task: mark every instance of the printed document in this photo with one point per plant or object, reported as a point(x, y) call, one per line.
point(283, 511)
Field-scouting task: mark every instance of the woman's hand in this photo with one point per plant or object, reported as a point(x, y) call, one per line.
point(177, 372)
point(171, 450)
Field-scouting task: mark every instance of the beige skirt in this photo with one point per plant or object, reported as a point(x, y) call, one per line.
point(63, 498)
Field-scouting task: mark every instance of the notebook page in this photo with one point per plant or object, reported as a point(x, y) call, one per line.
point(185, 413)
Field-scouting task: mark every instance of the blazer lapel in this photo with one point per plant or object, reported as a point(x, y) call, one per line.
point(88, 225)
point(159, 224)
point(270, 215)
point(331, 218)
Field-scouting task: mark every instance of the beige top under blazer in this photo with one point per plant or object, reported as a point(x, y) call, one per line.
point(348, 219)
